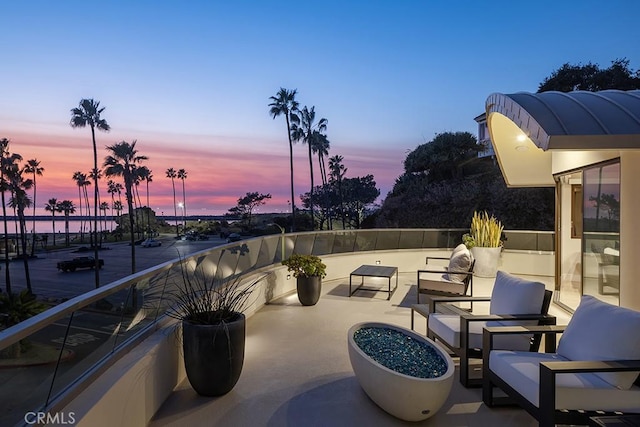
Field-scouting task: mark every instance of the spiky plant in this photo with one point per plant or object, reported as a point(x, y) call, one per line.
point(201, 298)
point(485, 231)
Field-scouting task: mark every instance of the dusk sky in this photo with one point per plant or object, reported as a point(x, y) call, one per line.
point(191, 81)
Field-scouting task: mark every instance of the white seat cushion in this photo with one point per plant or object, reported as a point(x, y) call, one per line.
point(447, 327)
point(521, 370)
point(442, 285)
point(601, 331)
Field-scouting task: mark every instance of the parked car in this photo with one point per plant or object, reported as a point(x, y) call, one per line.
point(150, 243)
point(79, 262)
point(234, 237)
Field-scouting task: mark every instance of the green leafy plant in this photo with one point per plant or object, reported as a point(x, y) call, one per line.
point(485, 231)
point(201, 298)
point(305, 266)
point(16, 307)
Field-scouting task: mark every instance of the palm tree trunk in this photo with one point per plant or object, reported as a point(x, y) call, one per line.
point(175, 207)
point(7, 276)
point(23, 240)
point(313, 221)
point(293, 203)
point(184, 207)
point(80, 213)
point(66, 229)
point(53, 221)
point(95, 207)
point(33, 228)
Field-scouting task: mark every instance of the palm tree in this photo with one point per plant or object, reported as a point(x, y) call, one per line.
point(104, 207)
point(171, 173)
point(337, 173)
point(81, 180)
point(7, 164)
point(111, 189)
point(33, 167)
point(320, 145)
point(88, 114)
point(182, 174)
point(305, 132)
point(284, 103)
point(123, 161)
point(53, 207)
point(20, 201)
point(148, 177)
point(67, 207)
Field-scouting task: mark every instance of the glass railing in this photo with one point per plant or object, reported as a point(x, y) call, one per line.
point(62, 348)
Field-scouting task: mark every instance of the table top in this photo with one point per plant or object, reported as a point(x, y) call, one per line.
point(375, 270)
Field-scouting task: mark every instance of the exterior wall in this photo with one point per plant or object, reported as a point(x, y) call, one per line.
point(629, 229)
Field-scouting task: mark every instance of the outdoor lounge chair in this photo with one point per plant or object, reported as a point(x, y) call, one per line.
point(595, 367)
point(514, 301)
point(455, 279)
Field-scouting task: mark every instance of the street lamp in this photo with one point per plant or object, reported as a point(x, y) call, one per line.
point(282, 231)
point(184, 223)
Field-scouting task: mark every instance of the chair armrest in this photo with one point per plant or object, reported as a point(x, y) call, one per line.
point(443, 270)
point(549, 331)
point(434, 300)
point(549, 370)
point(441, 258)
point(582, 366)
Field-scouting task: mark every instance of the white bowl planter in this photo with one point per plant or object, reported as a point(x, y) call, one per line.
point(406, 397)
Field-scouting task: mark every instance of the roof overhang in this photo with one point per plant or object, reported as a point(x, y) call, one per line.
point(526, 127)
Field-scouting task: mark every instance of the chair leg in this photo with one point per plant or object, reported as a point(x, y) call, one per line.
point(464, 370)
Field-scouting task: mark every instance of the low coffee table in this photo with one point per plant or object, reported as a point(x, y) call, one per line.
point(374, 271)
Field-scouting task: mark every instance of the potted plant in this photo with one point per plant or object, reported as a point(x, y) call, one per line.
point(484, 240)
point(308, 271)
point(213, 326)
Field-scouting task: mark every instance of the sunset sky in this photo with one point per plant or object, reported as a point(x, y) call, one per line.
point(191, 81)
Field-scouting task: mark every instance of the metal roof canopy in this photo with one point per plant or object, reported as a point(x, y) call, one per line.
point(525, 126)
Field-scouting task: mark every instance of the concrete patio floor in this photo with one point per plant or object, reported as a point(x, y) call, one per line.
point(297, 370)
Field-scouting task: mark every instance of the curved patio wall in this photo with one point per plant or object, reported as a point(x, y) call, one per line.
point(126, 379)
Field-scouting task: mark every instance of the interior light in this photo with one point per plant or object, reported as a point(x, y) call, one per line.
point(521, 138)
point(522, 148)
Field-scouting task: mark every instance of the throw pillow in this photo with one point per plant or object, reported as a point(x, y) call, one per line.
point(460, 262)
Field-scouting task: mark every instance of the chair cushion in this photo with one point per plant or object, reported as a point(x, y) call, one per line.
point(521, 370)
point(514, 295)
point(447, 327)
point(460, 262)
point(601, 331)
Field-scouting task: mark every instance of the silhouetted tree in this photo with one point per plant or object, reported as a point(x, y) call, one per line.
point(247, 204)
point(284, 103)
point(591, 77)
point(123, 161)
point(88, 114)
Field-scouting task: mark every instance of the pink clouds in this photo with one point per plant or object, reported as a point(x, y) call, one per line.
point(220, 169)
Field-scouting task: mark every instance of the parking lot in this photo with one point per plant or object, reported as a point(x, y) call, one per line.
point(49, 283)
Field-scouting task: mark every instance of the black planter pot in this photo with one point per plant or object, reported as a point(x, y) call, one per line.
point(213, 355)
point(309, 289)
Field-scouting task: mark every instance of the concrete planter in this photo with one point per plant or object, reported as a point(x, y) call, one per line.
point(309, 289)
point(486, 261)
point(406, 397)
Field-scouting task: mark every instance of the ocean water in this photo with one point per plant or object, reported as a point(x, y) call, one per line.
point(46, 226)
